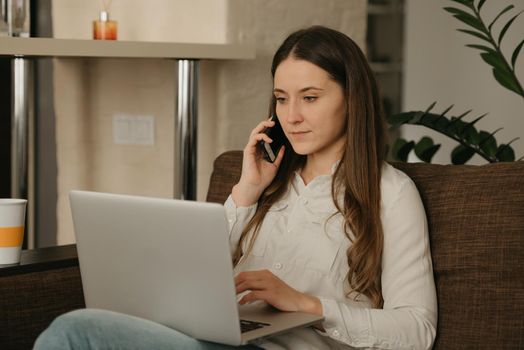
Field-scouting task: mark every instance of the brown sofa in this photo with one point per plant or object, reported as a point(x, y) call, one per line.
point(476, 223)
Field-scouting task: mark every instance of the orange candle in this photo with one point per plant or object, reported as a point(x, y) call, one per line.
point(104, 28)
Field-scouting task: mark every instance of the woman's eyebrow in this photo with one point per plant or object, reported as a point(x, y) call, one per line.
point(307, 88)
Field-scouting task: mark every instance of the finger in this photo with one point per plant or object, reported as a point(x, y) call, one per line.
point(242, 277)
point(261, 126)
point(253, 296)
point(254, 139)
point(250, 285)
point(250, 276)
point(246, 276)
point(280, 156)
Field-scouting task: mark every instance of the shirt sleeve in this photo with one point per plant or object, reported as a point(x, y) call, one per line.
point(409, 317)
point(237, 217)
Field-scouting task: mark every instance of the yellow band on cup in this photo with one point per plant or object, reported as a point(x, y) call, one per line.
point(11, 236)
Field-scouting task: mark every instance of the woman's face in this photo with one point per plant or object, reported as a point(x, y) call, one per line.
point(311, 108)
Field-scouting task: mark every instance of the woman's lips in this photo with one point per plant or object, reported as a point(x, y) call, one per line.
point(297, 135)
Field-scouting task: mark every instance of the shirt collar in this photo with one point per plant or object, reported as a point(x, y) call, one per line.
point(318, 184)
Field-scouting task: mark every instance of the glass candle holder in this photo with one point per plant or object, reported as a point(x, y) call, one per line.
point(17, 18)
point(104, 28)
point(3, 18)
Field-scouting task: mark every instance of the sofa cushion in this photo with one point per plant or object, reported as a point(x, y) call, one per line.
point(226, 173)
point(476, 225)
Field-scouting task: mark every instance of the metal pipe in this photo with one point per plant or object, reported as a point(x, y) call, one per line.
point(21, 112)
point(19, 127)
point(185, 162)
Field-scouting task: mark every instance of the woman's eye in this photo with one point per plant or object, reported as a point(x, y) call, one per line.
point(280, 99)
point(310, 98)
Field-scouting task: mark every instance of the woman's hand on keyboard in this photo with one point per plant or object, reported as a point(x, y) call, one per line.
point(264, 285)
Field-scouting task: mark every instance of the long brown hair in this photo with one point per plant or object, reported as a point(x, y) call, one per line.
point(356, 180)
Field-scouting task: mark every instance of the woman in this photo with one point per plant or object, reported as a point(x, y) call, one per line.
point(328, 228)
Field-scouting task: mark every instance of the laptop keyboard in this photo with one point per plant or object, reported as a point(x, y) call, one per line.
point(246, 326)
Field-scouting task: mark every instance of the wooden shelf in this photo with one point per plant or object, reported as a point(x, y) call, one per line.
point(46, 47)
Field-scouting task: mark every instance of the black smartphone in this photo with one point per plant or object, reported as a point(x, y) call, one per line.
point(270, 150)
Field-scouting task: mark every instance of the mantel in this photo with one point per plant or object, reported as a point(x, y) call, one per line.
point(47, 47)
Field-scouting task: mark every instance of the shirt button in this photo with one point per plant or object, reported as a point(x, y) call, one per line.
point(289, 231)
point(278, 266)
point(336, 333)
point(230, 220)
point(304, 200)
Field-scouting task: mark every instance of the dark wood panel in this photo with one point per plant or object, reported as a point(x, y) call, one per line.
point(42, 259)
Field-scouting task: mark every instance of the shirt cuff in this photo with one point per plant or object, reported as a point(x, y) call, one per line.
point(237, 218)
point(335, 324)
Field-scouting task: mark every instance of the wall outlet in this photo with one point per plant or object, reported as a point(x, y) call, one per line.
point(133, 129)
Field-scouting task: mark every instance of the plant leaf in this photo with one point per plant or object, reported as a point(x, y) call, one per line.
point(435, 121)
point(474, 33)
point(472, 136)
point(471, 21)
point(505, 153)
point(446, 110)
point(469, 132)
point(494, 60)
point(488, 144)
point(464, 114)
point(417, 117)
point(505, 79)
point(516, 53)
point(396, 146)
point(425, 149)
point(461, 154)
point(481, 48)
point(428, 154)
point(481, 3)
point(401, 149)
point(457, 127)
point(456, 124)
point(498, 16)
point(422, 144)
point(506, 27)
point(431, 106)
point(456, 11)
point(441, 123)
point(400, 118)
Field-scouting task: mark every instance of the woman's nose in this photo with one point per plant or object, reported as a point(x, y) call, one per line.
point(294, 114)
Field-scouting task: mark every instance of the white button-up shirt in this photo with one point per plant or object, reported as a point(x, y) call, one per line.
point(304, 247)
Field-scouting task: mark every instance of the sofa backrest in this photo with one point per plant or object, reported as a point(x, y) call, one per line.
point(476, 226)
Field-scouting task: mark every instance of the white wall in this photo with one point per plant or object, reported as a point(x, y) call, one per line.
point(438, 67)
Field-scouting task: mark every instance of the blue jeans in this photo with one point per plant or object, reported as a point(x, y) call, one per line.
point(101, 329)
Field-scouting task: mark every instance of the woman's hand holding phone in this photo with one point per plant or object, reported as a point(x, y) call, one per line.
point(257, 173)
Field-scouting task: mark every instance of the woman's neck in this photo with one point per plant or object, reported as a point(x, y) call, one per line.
point(317, 166)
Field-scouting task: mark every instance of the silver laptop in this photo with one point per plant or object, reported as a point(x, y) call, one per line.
point(168, 261)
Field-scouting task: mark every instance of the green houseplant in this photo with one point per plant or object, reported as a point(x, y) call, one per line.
point(470, 140)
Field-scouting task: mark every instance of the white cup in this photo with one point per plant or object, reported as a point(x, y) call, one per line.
point(12, 222)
